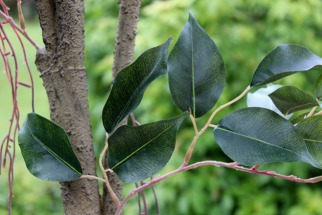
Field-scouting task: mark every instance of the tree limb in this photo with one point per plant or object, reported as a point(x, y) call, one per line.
point(123, 56)
point(61, 64)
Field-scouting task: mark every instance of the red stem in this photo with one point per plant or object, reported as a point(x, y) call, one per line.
point(217, 164)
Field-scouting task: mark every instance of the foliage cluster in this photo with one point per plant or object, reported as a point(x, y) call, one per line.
point(240, 47)
point(244, 32)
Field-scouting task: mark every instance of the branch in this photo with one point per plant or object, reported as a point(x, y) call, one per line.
point(126, 33)
point(233, 165)
point(198, 134)
point(18, 28)
point(123, 56)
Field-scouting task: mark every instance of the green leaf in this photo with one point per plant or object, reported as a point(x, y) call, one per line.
point(318, 87)
point(254, 136)
point(196, 70)
point(131, 83)
point(136, 153)
point(285, 60)
point(46, 150)
point(290, 99)
point(296, 119)
point(311, 130)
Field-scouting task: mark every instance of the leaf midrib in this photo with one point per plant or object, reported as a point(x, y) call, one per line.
point(261, 141)
point(144, 145)
point(193, 73)
point(312, 140)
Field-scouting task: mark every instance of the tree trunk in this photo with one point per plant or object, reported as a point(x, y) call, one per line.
point(61, 64)
point(123, 56)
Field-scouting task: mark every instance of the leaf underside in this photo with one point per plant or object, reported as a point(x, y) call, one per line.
point(46, 150)
point(290, 99)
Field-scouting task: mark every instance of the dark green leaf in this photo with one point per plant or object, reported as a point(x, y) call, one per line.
point(196, 70)
point(290, 99)
point(318, 87)
point(254, 136)
point(131, 83)
point(285, 60)
point(311, 130)
point(46, 150)
point(136, 153)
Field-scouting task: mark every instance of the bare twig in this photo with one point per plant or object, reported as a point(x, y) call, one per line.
point(194, 141)
point(157, 210)
point(107, 183)
point(18, 28)
point(233, 165)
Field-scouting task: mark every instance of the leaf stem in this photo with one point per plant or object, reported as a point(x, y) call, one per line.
point(312, 111)
point(198, 134)
point(93, 177)
point(193, 120)
point(109, 188)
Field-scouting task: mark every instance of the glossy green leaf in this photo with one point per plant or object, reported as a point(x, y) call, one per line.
point(254, 136)
point(196, 70)
point(311, 130)
point(136, 153)
point(285, 60)
point(290, 99)
point(131, 83)
point(318, 87)
point(46, 150)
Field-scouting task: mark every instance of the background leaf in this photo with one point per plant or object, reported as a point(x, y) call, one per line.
point(131, 82)
point(196, 70)
point(285, 60)
point(290, 99)
point(255, 136)
point(311, 130)
point(318, 87)
point(46, 150)
point(146, 152)
point(260, 98)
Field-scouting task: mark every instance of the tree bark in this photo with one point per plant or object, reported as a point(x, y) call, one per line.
point(61, 63)
point(123, 56)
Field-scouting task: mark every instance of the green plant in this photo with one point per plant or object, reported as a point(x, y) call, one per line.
point(250, 136)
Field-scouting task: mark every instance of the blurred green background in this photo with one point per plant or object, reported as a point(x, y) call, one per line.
point(245, 31)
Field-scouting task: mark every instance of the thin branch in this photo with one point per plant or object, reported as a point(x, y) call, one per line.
point(233, 165)
point(109, 188)
point(212, 126)
point(157, 210)
point(312, 111)
point(93, 177)
point(193, 120)
point(139, 199)
point(318, 113)
point(18, 28)
point(145, 207)
point(194, 141)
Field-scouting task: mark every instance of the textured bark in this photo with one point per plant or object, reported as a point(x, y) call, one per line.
point(61, 63)
point(123, 56)
point(126, 32)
